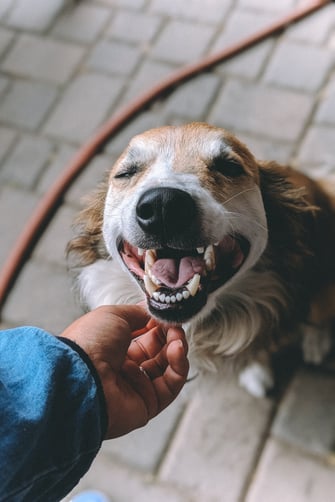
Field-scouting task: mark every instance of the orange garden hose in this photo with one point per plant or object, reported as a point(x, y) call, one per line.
point(52, 199)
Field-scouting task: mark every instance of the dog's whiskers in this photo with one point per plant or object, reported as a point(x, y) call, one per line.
point(232, 215)
point(239, 193)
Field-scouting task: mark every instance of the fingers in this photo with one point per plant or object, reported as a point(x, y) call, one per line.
point(176, 354)
point(148, 345)
point(169, 385)
point(168, 370)
point(150, 324)
point(159, 386)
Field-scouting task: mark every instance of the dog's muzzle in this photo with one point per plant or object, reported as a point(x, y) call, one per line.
point(174, 263)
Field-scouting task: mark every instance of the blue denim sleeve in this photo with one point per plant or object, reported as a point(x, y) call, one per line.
point(52, 415)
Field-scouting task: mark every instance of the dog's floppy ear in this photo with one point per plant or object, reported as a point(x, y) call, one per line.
point(285, 191)
point(291, 217)
point(289, 203)
point(87, 246)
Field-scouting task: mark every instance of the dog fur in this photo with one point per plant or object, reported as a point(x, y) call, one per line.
point(282, 291)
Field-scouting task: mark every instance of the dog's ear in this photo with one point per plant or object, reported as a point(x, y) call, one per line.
point(286, 190)
point(87, 246)
point(290, 211)
point(287, 195)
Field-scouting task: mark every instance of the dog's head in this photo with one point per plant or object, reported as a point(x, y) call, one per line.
point(185, 215)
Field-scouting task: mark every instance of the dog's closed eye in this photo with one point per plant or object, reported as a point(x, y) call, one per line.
point(127, 172)
point(226, 166)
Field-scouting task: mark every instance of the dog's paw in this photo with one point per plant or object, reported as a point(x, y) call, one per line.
point(256, 379)
point(316, 343)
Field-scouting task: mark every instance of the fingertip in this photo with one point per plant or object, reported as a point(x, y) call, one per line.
point(177, 343)
point(177, 357)
point(177, 334)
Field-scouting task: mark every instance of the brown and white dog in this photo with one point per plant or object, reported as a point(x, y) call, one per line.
point(241, 252)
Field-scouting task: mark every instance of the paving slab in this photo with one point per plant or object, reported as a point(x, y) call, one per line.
point(27, 104)
point(61, 155)
point(52, 245)
point(6, 37)
point(131, 4)
point(83, 107)
point(299, 66)
point(193, 10)
point(7, 138)
point(306, 417)
point(318, 148)
point(182, 42)
point(286, 474)
point(26, 162)
point(42, 297)
point(269, 149)
point(265, 5)
point(227, 427)
point(123, 484)
point(18, 204)
point(40, 58)
point(134, 27)
point(36, 15)
point(314, 29)
point(240, 24)
point(5, 6)
point(147, 120)
point(249, 64)
point(193, 99)
point(145, 448)
point(81, 23)
point(148, 75)
point(114, 58)
point(263, 110)
point(326, 109)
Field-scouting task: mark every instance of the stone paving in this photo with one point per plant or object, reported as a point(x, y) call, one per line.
point(65, 68)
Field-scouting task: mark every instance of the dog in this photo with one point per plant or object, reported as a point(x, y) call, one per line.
point(239, 251)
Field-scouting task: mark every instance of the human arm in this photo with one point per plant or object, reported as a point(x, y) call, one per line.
point(132, 398)
point(57, 403)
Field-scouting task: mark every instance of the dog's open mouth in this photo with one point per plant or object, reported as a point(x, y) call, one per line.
point(177, 282)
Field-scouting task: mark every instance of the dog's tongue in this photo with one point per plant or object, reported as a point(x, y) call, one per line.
point(175, 272)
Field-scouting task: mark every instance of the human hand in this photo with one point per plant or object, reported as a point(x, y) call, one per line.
point(140, 375)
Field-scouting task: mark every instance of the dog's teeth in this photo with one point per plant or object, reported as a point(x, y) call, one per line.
point(154, 279)
point(216, 243)
point(209, 257)
point(200, 250)
point(193, 285)
point(140, 251)
point(150, 258)
point(184, 295)
point(149, 285)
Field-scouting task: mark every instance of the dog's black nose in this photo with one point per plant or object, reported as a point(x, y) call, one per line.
point(165, 212)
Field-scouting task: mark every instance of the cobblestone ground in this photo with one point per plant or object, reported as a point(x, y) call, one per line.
point(66, 67)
